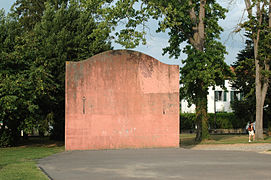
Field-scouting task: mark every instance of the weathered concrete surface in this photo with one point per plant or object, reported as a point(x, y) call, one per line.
point(158, 164)
point(121, 99)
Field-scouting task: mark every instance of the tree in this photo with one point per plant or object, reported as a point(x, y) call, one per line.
point(32, 66)
point(30, 12)
point(21, 84)
point(8, 99)
point(244, 80)
point(260, 30)
point(194, 22)
point(64, 35)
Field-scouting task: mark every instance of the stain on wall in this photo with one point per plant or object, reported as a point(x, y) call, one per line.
point(121, 99)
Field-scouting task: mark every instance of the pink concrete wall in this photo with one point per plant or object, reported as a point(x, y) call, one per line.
point(121, 99)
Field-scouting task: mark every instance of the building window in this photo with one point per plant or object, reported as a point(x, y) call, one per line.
point(218, 95)
point(225, 95)
point(221, 95)
point(235, 95)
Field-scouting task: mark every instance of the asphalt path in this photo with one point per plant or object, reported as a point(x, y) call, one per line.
point(157, 164)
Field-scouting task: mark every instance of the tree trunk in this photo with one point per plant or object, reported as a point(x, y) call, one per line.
point(261, 83)
point(269, 15)
point(201, 116)
point(197, 41)
point(259, 103)
point(198, 29)
point(269, 26)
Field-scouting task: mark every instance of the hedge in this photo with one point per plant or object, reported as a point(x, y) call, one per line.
point(223, 121)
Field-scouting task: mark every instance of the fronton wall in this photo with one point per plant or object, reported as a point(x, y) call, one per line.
point(121, 99)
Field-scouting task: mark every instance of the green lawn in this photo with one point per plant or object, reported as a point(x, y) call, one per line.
point(20, 162)
point(188, 139)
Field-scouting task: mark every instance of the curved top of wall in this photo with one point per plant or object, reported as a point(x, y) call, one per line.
point(116, 53)
point(116, 65)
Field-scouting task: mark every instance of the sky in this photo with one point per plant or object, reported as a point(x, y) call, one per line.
point(234, 42)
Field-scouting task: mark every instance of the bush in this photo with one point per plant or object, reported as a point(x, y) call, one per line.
point(6, 138)
point(244, 110)
point(226, 121)
point(223, 121)
point(187, 121)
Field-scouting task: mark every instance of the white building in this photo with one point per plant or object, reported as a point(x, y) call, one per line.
point(223, 99)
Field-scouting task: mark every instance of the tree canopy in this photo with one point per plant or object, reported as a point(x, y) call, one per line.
point(32, 63)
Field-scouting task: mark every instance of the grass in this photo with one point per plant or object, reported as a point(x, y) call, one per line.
point(189, 139)
point(20, 162)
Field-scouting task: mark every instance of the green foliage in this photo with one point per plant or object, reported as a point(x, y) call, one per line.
point(223, 121)
point(187, 121)
point(131, 15)
point(23, 80)
point(244, 69)
point(202, 70)
point(243, 110)
point(32, 62)
point(6, 138)
point(226, 121)
point(30, 12)
point(15, 84)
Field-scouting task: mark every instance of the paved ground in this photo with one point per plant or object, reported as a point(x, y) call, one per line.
point(253, 147)
point(162, 164)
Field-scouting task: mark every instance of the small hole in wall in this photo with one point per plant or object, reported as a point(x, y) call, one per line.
point(84, 102)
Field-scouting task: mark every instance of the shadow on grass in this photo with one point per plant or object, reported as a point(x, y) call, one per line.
point(187, 141)
point(266, 138)
point(39, 142)
point(225, 138)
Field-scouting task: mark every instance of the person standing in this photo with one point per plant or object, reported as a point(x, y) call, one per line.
point(251, 132)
